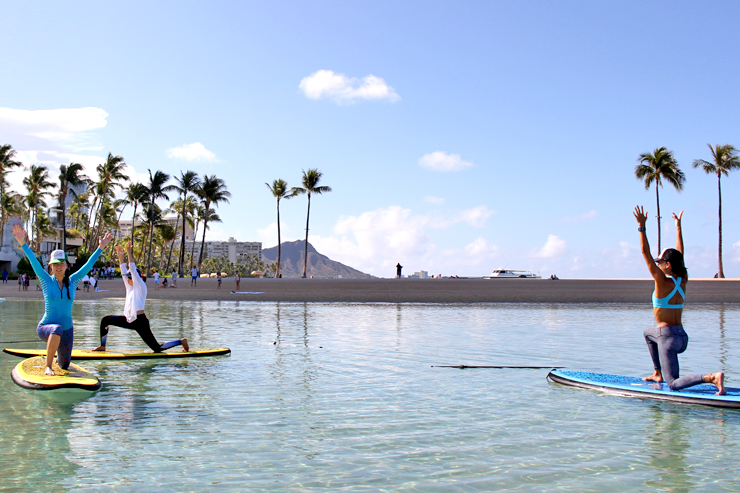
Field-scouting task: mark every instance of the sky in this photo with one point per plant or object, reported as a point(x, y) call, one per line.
point(457, 137)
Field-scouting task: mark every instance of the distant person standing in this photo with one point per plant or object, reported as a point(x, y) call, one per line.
point(218, 278)
point(156, 279)
point(5, 276)
point(398, 270)
point(174, 278)
point(237, 279)
point(194, 276)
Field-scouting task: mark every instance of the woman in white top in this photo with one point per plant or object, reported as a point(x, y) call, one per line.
point(133, 317)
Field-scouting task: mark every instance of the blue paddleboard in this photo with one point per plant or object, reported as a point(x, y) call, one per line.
point(635, 387)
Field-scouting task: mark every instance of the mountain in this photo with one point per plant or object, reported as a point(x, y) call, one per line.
point(318, 265)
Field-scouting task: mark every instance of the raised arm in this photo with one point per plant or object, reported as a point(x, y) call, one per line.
point(679, 233)
point(641, 217)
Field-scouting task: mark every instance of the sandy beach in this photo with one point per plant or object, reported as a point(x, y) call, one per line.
point(411, 290)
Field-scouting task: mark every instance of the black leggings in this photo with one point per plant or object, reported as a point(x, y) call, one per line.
point(140, 325)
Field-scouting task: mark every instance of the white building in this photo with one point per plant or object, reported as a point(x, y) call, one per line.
point(124, 227)
point(233, 250)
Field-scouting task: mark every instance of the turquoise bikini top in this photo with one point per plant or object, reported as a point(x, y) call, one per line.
point(663, 302)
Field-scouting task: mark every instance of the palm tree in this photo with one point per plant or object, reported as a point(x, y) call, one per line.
point(310, 182)
point(725, 159)
point(69, 176)
point(188, 182)
point(7, 163)
point(279, 189)
point(212, 190)
point(110, 176)
point(37, 183)
point(656, 167)
point(155, 191)
point(136, 194)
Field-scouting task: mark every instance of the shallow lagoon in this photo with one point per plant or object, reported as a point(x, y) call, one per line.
point(318, 397)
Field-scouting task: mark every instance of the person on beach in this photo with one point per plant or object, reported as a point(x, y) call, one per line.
point(237, 279)
point(194, 276)
point(59, 291)
point(174, 278)
point(133, 317)
point(666, 341)
point(156, 279)
point(5, 276)
point(218, 278)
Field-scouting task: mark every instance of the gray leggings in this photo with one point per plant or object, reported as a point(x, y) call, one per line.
point(665, 344)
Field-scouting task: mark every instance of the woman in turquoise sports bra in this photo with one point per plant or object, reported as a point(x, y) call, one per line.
point(668, 339)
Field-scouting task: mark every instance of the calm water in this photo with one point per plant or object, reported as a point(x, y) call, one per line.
point(348, 400)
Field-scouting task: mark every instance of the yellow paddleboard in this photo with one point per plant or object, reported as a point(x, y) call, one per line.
point(80, 354)
point(29, 374)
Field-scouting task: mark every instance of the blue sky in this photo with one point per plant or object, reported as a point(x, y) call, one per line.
point(457, 136)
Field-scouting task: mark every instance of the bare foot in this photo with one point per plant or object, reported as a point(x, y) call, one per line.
point(99, 348)
point(718, 380)
point(655, 377)
point(185, 346)
point(49, 372)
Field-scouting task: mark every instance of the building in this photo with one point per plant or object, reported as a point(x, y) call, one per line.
point(234, 250)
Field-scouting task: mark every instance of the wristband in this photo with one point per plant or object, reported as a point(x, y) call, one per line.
point(641, 229)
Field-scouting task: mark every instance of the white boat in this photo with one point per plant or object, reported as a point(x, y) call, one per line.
point(512, 274)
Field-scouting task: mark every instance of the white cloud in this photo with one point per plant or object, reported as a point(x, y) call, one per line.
point(586, 216)
point(553, 247)
point(476, 216)
point(480, 250)
point(441, 161)
point(375, 241)
point(192, 152)
point(434, 200)
point(342, 89)
point(52, 138)
point(268, 234)
point(67, 127)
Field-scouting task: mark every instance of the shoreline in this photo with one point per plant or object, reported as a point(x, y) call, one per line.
point(458, 291)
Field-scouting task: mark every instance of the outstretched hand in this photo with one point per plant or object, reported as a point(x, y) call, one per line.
point(104, 240)
point(20, 234)
point(641, 216)
point(677, 219)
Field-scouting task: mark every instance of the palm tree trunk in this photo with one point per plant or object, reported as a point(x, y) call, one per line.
point(169, 257)
point(192, 248)
point(277, 274)
point(181, 266)
point(305, 253)
point(203, 242)
point(657, 200)
point(720, 272)
point(64, 221)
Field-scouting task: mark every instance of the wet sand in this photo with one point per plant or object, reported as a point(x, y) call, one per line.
point(412, 290)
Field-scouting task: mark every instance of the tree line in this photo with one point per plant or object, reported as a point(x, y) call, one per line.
point(97, 208)
point(661, 165)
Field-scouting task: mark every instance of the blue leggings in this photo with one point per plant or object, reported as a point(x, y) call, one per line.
point(665, 344)
point(64, 352)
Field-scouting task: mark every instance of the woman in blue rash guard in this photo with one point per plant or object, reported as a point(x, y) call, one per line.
point(59, 293)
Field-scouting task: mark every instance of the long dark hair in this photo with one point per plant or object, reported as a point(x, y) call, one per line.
point(65, 281)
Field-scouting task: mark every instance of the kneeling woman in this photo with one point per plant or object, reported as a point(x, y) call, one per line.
point(133, 317)
point(59, 293)
point(668, 340)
